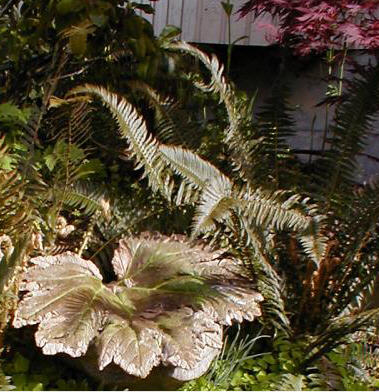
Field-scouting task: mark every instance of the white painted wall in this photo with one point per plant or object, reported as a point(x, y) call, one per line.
point(204, 21)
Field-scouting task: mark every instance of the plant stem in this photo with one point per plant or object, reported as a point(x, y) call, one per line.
point(230, 46)
point(342, 70)
point(312, 135)
point(329, 60)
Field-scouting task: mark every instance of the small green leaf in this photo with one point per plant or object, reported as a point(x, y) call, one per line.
point(170, 32)
point(288, 366)
point(228, 7)
point(8, 111)
point(146, 8)
point(50, 161)
point(19, 380)
point(6, 162)
point(261, 376)
point(69, 6)
point(236, 379)
point(98, 20)
point(21, 364)
point(269, 359)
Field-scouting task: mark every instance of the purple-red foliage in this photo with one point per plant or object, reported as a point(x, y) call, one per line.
point(317, 25)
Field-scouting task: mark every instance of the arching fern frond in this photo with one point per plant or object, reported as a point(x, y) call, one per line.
point(216, 189)
point(218, 83)
point(72, 123)
point(213, 207)
point(269, 282)
point(218, 194)
point(241, 136)
point(193, 168)
point(272, 208)
point(143, 147)
point(360, 240)
point(281, 210)
point(262, 208)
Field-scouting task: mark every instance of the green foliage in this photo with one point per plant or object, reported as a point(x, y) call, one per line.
point(353, 121)
point(279, 370)
point(274, 370)
point(31, 373)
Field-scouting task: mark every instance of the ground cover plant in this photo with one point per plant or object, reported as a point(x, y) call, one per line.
point(77, 177)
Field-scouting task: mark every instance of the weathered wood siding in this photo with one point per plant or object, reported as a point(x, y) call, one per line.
point(204, 21)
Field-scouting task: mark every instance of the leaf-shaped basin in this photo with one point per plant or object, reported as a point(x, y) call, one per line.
point(167, 307)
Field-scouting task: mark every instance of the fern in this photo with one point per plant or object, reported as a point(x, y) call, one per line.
point(290, 382)
point(263, 208)
point(240, 135)
point(360, 265)
point(274, 159)
point(143, 147)
point(217, 85)
point(88, 197)
point(172, 123)
point(353, 120)
point(337, 333)
point(269, 282)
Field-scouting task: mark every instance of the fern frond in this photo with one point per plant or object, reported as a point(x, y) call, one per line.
point(14, 212)
point(218, 83)
point(259, 207)
point(269, 282)
point(337, 332)
point(198, 174)
point(73, 123)
point(240, 136)
point(194, 169)
point(273, 159)
point(312, 242)
point(271, 208)
point(143, 147)
point(87, 197)
point(283, 210)
point(290, 382)
point(359, 244)
point(214, 206)
point(354, 119)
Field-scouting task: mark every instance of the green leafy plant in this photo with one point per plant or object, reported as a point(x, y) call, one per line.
point(234, 355)
point(33, 373)
point(278, 370)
